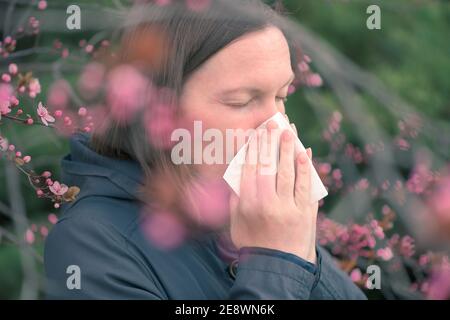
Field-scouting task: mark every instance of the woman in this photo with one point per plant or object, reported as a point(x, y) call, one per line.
point(229, 67)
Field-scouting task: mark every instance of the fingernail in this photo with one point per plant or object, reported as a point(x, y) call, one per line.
point(303, 158)
point(287, 135)
point(294, 127)
point(309, 151)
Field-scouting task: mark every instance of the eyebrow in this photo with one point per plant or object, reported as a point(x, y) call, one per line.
point(252, 89)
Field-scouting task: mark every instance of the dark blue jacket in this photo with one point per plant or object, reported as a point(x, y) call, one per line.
point(100, 233)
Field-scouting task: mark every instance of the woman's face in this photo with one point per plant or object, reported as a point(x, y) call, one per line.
point(242, 85)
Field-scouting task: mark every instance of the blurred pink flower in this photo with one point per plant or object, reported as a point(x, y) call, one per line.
point(163, 229)
point(126, 92)
point(13, 69)
point(356, 275)
point(439, 283)
point(439, 201)
point(386, 254)
point(6, 92)
point(44, 115)
point(160, 123)
point(407, 246)
point(58, 94)
point(34, 88)
point(208, 202)
point(29, 236)
point(52, 218)
point(314, 80)
point(91, 79)
point(58, 189)
point(42, 5)
point(6, 77)
point(3, 144)
point(44, 231)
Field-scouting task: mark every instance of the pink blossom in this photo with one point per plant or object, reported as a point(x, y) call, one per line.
point(291, 89)
point(89, 48)
point(386, 254)
point(324, 168)
point(126, 92)
point(44, 115)
point(46, 174)
point(3, 144)
point(356, 275)
point(91, 79)
point(337, 174)
point(82, 112)
point(44, 231)
point(303, 66)
point(439, 284)
point(407, 247)
point(163, 229)
point(34, 88)
point(208, 202)
point(6, 92)
point(160, 123)
point(439, 200)
point(402, 144)
point(52, 218)
point(6, 77)
point(58, 189)
point(29, 236)
point(14, 101)
point(424, 259)
point(58, 94)
point(26, 159)
point(4, 108)
point(65, 53)
point(42, 4)
point(314, 80)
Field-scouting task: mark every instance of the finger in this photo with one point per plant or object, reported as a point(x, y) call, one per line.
point(295, 129)
point(271, 125)
point(302, 179)
point(265, 178)
point(248, 178)
point(286, 169)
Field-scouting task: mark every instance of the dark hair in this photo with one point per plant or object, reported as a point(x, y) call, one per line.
point(185, 40)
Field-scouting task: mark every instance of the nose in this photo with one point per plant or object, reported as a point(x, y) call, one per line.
point(268, 110)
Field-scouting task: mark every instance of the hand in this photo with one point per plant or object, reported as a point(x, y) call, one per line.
point(274, 210)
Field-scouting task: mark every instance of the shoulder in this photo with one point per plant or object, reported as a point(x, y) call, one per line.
point(94, 235)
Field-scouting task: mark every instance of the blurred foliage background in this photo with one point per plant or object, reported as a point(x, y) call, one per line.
point(409, 55)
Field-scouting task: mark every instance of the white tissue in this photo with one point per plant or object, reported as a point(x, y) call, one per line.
point(233, 173)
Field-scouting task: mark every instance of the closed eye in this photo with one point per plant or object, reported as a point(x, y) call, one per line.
point(239, 105)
